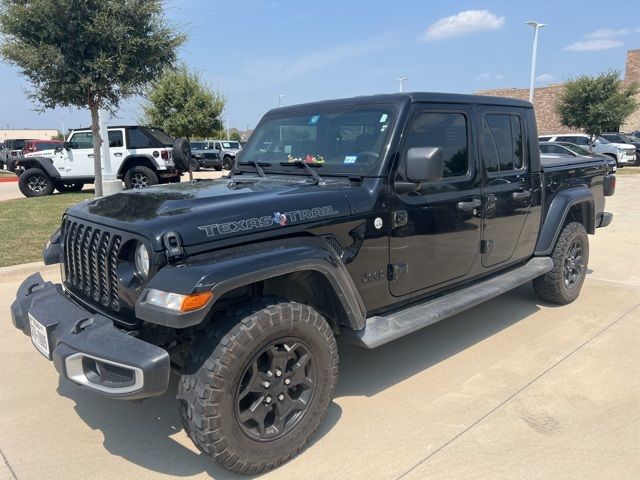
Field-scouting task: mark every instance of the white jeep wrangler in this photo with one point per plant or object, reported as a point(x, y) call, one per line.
point(141, 156)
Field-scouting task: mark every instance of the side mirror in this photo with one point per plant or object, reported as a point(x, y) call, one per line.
point(66, 145)
point(425, 164)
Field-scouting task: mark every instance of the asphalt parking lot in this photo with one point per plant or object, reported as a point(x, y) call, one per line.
point(511, 389)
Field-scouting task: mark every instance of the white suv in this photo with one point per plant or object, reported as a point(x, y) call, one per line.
point(140, 156)
point(622, 153)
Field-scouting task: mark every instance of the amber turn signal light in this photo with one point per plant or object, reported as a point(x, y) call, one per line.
point(195, 301)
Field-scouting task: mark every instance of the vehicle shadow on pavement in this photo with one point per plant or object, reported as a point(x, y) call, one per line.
point(149, 433)
point(368, 372)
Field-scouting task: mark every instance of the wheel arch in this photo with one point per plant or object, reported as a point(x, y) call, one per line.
point(43, 163)
point(135, 160)
point(305, 270)
point(575, 204)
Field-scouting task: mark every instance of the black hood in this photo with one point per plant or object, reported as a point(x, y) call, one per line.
point(205, 211)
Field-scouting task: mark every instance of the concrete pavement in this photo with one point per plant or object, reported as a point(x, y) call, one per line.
point(511, 389)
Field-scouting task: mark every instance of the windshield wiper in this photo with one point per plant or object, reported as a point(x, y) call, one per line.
point(257, 165)
point(299, 163)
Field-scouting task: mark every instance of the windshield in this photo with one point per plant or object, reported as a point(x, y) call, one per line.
point(231, 145)
point(603, 140)
point(160, 136)
point(340, 139)
point(197, 146)
point(577, 149)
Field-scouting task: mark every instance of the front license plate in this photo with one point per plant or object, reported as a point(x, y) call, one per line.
point(39, 336)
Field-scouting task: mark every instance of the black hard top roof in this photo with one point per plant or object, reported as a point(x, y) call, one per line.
point(399, 98)
point(118, 126)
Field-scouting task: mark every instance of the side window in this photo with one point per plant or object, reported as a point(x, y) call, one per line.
point(581, 141)
point(137, 139)
point(447, 131)
point(81, 140)
point(544, 139)
point(115, 139)
point(502, 142)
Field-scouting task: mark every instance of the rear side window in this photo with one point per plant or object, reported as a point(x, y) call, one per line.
point(447, 131)
point(137, 139)
point(502, 142)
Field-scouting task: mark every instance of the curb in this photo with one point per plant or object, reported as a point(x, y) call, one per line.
point(20, 272)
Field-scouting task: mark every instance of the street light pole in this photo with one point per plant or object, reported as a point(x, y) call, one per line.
point(280, 97)
point(536, 26)
point(402, 80)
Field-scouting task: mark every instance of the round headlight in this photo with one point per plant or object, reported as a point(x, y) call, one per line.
point(142, 260)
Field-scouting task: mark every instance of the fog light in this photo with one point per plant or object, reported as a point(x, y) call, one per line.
point(176, 301)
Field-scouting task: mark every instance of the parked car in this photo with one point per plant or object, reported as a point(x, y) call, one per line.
point(12, 150)
point(140, 156)
point(228, 149)
point(424, 205)
point(203, 155)
point(618, 137)
point(623, 153)
point(31, 146)
point(571, 150)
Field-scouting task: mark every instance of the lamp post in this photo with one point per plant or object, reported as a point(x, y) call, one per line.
point(280, 97)
point(401, 80)
point(536, 26)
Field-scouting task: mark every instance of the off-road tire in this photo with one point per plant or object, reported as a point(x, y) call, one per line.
point(140, 176)
point(551, 286)
point(69, 187)
point(182, 154)
point(35, 182)
point(217, 167)
point(216, 366)
point(195, 165)
point(227, 162)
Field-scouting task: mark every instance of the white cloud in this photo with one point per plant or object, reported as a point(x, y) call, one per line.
point(608, 33)
point(544, 78)
point(594, 45)
point(489, 76)
point(469, 21)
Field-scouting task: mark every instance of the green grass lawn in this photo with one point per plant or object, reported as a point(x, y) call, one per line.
point(27, 223)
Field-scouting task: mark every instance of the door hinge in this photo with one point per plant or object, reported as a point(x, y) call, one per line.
point(486, 246)
point(400, 218)
point(396, 271)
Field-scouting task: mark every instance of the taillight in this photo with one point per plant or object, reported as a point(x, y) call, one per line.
point(164, 154)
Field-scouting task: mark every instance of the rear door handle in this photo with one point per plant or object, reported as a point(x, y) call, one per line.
point(469, 206)
point(117, 154)
point(524, 195)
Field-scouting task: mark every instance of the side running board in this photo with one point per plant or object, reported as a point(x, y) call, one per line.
point(379, 330)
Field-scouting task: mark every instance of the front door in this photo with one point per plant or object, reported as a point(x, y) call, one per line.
point(80, 155)
point(435, 230)
point(508, 184)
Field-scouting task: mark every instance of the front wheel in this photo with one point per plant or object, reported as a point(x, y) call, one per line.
point(195, 165)
point(227, 163)
point(570, 259)
point(140, 176)
point(35, 183)
point(258, 384)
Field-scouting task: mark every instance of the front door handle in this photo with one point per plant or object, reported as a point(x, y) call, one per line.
point(118, 154)
point(470, 206)
point(90, 155)
point(521, 195)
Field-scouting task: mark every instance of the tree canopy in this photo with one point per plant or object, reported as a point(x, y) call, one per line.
point(183, 105)
point(597, 104)
point(89, 53)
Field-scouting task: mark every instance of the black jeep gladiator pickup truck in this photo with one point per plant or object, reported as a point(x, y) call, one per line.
point(367, 218)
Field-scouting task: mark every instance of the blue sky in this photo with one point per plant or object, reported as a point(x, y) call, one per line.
point(254, 50)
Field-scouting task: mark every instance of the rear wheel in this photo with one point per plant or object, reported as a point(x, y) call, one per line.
point(570, 259)
point(34, 182)
point(258, 384)
point(140, 176)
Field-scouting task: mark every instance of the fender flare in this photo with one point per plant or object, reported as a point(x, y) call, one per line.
point(123, 166)
point(557, 214)
point(226, 270)
point(44, 163)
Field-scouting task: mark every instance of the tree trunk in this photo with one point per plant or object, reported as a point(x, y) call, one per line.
point(97, 142)
point(591, 140)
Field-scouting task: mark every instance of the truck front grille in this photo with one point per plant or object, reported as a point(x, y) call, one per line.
point(90, 262)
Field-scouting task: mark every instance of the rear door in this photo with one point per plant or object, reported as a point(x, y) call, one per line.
point(435, 231)
point(507, 189)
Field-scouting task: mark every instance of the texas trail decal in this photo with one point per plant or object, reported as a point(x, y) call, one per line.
point(276, 218)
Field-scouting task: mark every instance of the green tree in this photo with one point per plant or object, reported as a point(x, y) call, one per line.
point(597, 104)
point(235, 135)
point(87, 53)
point(183, 105)
point(58, 136)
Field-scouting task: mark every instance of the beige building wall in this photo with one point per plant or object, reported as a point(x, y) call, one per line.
point(28, 134)
point(545, 99)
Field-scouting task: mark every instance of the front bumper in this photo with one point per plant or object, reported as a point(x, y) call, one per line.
point(627, 158)
point(87, 348)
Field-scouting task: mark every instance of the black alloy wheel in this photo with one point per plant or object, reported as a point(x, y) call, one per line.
point(276, 389)
point(573, 264)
